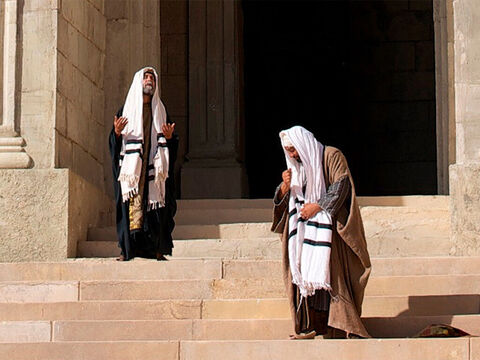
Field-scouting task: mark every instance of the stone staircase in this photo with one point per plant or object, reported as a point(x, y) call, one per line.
point(232, 304)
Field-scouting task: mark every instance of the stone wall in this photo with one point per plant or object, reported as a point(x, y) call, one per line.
point(465, 174)
point(132, 42)
point(80, 95)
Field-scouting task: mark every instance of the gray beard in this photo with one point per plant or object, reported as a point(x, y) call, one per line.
point(148, 90)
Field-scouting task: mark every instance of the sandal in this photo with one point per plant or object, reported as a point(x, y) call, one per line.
point(304, 336)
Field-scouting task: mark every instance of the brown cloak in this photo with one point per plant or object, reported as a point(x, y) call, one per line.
point(349, 261)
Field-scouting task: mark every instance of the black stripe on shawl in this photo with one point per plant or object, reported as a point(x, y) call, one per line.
point(151, 177)
point(293, 232)
point(317, 243)
point(134, 142)
point(319, 225)
point(162, 145)
point(293, 212)
point(302, 219)
point(150, 167)
point(299, 201)
point(160, 135)
point(133, 151)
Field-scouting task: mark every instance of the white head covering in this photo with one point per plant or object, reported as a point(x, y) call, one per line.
point(311, 155)
point(309, 241)
point(132, 143)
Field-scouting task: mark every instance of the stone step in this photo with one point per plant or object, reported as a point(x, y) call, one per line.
point(270, 247)
point(269, 308)
point(214, 268)
point(415, 201)
point(366, 349)
point(245, 329)
point(128, 350)
point(379, 221)
point(221, 288)
point(109, 269)
point(373, 306)
point(392, 349)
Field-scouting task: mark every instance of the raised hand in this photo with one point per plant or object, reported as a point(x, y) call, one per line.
point(119, 124)
point(167, 130)
point(287, 179)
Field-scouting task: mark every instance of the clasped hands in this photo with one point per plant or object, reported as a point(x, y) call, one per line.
point(308, 210)
point(119, 124)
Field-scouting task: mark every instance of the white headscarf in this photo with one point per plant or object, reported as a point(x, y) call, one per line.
point(309, 241)
point(132, 140)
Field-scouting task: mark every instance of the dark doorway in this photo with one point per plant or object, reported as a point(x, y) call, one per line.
point(358, 74)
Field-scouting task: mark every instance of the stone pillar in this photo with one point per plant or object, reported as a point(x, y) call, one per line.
point(214, 167)
point(12, 154)
point(465, 174)
point(445, 95)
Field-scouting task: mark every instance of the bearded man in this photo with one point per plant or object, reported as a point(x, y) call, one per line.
point(325, 259)
point(143, 148)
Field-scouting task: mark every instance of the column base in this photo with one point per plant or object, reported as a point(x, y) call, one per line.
point(13, 155)
point(465, 209)
point(213, 180)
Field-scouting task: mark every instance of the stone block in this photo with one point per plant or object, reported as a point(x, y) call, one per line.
point(102, 310)
point(33, 221)
point(77, 124)
point(98, 4)
point(467, 32)
point(61, 114)
point(245, 329)
point(25, 292)
point(87, 167)
point(92, 350)
point(122, 330)
point(408, 86)
point(98, 106)
point(96, 60)
point(116, 9)
point(95, 141)
point(39, 5)
point(394, 349)
point(465, 201)
point(25, 331)
point(63, 152)
point(96, 26)
point(75, 11)
point(246, 309)
point(145, 290)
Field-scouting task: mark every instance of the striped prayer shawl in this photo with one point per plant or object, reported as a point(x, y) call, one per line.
point(132, 145)
point(309, 241)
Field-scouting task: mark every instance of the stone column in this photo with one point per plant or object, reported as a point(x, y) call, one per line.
point(12, 154)
point(214, 167)
point(465, 174)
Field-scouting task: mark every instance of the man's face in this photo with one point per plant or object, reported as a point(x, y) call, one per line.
point(292, 152)
point(148, 83)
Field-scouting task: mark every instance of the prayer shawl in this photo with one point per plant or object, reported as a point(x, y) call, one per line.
point(349, 261)
point(132, 145)
point(309, 241)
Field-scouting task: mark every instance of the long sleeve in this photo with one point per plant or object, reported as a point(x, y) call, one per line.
point(335, 196)
point(280, 210)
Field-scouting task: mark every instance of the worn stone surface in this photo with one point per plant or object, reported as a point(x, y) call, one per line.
point(33, 220)
point(25, 331)
point(127, 350)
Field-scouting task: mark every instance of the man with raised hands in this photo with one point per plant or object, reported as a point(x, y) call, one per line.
point(325, 259)
point(143, 148)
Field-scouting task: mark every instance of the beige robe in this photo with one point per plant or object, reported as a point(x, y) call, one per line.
point(349, 261)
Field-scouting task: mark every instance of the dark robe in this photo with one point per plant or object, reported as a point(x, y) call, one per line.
point(349, 260)
point(158, 224)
